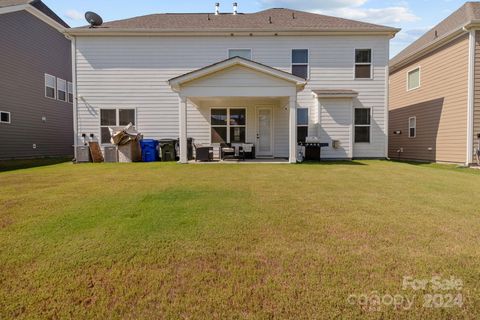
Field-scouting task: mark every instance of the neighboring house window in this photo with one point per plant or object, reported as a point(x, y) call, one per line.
point(228, 125)
point(300, 63)
point(362, 125)
point(413, 79)
point(302, 124)
point(50, 86)
point(70, 92)
point(5, 117)
point(114, 118)
point(61, 89)
point(363, 63)
point(242, 53)
point(412, 127)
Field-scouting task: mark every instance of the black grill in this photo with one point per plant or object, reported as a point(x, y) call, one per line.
point(313, 150)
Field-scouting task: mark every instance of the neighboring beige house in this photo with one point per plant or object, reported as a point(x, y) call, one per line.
point(434, 97)
point(268, 78)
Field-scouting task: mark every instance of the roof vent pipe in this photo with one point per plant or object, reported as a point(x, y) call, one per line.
point(217, 8)
point(235, 8)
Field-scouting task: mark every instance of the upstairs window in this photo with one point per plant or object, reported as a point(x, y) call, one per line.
point(50, 86)
point(413, 79)
point(242, 53)
point(363, 63)
point(412, 127)
point(70, 92)
point(61, 89)
point(302, 124)
point(362, 125)
point(4, 117)
point(300, 63)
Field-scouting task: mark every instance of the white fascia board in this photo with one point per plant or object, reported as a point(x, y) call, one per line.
point(175, 83)
point(40, 15)
point(14, 8)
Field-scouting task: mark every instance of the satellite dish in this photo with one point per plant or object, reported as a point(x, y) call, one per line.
point(93, 19)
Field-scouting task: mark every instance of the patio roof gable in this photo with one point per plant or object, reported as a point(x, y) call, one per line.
point(229, 64)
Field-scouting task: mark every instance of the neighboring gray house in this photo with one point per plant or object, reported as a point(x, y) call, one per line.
point(36, 114)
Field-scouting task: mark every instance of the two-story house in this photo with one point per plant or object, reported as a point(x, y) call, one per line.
point(269, 78)
point(36, 91)
point(435, 92)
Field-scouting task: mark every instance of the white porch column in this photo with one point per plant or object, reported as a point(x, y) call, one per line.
point(292, 106)
point(183, 129)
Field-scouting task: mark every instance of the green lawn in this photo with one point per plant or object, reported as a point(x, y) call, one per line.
point(143, 241)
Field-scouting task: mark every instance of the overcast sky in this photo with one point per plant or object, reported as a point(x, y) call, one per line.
point(413, 16)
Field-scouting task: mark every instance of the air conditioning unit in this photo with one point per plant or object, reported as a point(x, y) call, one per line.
point(83, 154)
point(110, 154)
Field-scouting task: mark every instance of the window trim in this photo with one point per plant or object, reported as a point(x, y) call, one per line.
point(9, 117)
point(303, 125)
point(410, 127)
point(117, 120)
point(70, 86)
point(228, 125)
point(59, 81)
point(419, 78)
point(363, 125)
point(300, 64)
point(229, 49)
point(362, 63)
point(54, 88)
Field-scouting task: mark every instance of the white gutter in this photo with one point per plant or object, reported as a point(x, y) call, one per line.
point(387, 101)
point(471, 97)
point(223, 32)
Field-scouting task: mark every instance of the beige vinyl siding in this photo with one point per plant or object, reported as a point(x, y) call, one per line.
point(476, 110)
point(439, 104)
point(133, 72)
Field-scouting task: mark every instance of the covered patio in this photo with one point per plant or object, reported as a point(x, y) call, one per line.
point(239, 101)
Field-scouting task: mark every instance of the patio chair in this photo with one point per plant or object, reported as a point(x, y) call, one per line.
point(239, 151)
point(227, 151)
point(248, 150)
point(203, 153)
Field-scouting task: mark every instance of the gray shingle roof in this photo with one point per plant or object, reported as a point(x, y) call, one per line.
point(271, 19)
point(467, 13)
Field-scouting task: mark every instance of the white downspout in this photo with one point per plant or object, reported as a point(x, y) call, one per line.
point(75, 96)
point(387, 101)
point(471, 92)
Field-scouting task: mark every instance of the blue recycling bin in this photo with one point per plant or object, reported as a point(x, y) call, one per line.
point(149, 150)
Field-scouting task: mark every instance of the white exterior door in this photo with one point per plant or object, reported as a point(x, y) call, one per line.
point(264, 146)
